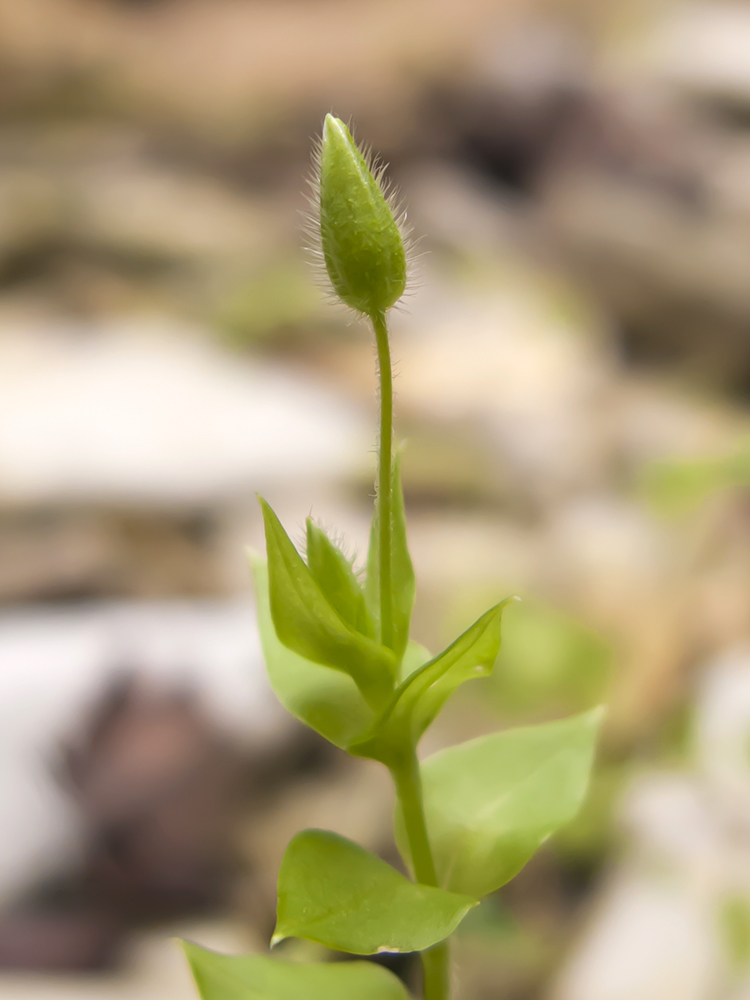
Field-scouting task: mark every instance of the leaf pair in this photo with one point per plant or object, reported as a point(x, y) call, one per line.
point(489, 803)
point(326, 700)
point(317, 612)
point(259, 977)
point(320, 629)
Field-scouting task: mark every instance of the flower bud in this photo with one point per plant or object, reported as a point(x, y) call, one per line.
point(360, 240)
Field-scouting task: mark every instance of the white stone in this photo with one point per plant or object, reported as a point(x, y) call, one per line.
point(151, 411)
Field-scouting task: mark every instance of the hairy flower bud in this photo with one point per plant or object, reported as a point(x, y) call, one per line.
point(360, 239)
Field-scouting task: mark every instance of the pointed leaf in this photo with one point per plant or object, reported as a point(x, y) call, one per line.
point(418, 699)
point(327, 700)
point(307, 624)
point(333, 573)
point(372, 574)
point(491, 803)
point(402, 571)
point(335, 892)
point(259, 977)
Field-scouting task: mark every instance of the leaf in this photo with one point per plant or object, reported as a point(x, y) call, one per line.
point(307, 624)
point(327, 700)
point(259, 977)
point(335, 892)
point(419, 698)
point(492, 802)
point(402, 572)
point(549, 664)
point(333, 573)
point(415, 657)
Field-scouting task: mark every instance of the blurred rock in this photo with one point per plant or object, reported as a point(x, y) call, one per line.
point(156, 785)
point(216, 68)
point(355, 799)
point(665, 925)
point(130, 453)
point(60, 661)
point(155, 968)
point(700, 48)
point(521, 378)
point(149, 411)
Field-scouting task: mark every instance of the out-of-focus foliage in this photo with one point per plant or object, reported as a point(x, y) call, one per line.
point(679, 486)
point(549, 664)
point(275, 299)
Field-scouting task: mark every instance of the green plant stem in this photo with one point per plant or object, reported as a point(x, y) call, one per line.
point(436, 971)
point(408, 782)
point(385, 475)
point(407, 777)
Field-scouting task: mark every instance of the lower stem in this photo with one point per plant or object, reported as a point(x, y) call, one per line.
point(408, 781)
point(385, 476)
point(436, 970)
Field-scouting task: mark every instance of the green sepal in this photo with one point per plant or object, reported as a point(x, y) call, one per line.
point(362, 246)
point(492, 802)
point(402, 572)
point(260, 977)
point(333, 573)
point(326, 700)
point(417, 700)
point(306, 623)
point(336, 893)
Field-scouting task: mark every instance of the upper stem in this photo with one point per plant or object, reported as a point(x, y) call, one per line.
point(406, 775)
point(385, 476)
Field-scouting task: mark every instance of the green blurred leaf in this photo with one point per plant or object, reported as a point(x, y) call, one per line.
point(420, 697)
point(333, 573)
point(492, 802)
point(278, 296)
point(549, 664)
point(307, 624)
point(327, 700)
point(258, 977)
point(679, 486)
point(402, 571)
point(335, 892)
point(734, 922)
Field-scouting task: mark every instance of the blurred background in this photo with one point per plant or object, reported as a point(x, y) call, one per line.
point(574, 387)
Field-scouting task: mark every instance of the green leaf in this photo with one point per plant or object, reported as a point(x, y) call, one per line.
point(307, 624)
point(491, 803)
point(419, 698)
point(259, 977)
point(402, 571)
point(335, 892)
point(415, 657)
point(549, 665)
point(333, 573)
point(327, 700)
